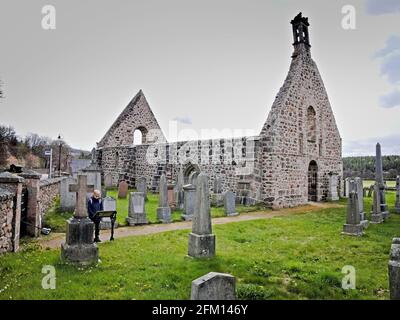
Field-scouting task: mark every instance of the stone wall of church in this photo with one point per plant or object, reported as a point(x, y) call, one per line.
point(6, 219)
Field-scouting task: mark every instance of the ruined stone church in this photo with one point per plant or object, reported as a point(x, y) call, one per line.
point(292, 160)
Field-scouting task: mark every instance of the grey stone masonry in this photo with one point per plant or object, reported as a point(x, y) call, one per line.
point(376, 214)
point(333, 187)
point(137, 210)
point(189, 201)
point(109, 204)
point(214, 286)
point(163, 210)
point(67, 198)
point(353, 226)
point(394, 270)
point(380, 181)
point(397, 204)
point(229, 203)
point(79, 247)
point(201, 239)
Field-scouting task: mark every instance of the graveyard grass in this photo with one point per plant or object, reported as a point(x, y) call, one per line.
point(289, 257)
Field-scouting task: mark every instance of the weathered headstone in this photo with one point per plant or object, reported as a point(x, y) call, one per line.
point(137, 210)
point(358, 187)
point(217, 185)
point(109, 204)
point(93, 173)
point(346, 187)
point(376, 214)
point(122, 189)
point(141, 186)
point(380, 181)
point(353, 226)
point(189, 201)
point(163, 210)
point(333, 187)
point(397, 203)
point(214, 286)
point(394, 270)
point(179, 193)
point(79, 246)
point(229, 204)
point(171, 197)
point(201, 239)
point(108, 180)
point(67, 198)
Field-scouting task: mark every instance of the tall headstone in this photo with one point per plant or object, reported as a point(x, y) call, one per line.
point(358, 187)
point(163, 210)
point(141, 186)
point(333, 187)
point(122, 189)
point(346, 187)
point(201, 239)
point(214, 286)
point(79, 246)
point(394, 270)
point(67, 198)
point(179, 193)
point(108, 181)
point(109, 204)
point(397, 203)
point(137, 210)
point(189, 202)
point(380, 181)
point(229, 203)
point(353, 226)
point(376, 214)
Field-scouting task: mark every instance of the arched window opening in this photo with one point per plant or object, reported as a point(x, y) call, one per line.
point(139, 136)
point(311, 125)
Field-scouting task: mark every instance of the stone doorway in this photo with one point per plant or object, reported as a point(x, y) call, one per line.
point(312, 181)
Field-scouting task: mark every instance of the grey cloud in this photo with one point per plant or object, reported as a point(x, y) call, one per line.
point(390, 100)
point(184, 120)
point(390, 146)
point(391, 68)
point(392, 46)
point(380, 7)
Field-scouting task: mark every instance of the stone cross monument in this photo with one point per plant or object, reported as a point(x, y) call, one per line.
point(79, 246)
point(201, 239)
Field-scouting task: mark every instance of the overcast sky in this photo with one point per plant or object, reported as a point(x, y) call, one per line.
point(211, 64)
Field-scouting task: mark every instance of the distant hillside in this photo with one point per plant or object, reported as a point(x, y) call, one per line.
point(364, 167)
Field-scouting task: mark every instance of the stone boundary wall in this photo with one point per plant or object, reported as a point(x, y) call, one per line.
point(6, 219)
point(49, 190)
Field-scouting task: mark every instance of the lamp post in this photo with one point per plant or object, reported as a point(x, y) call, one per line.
point(59, 154)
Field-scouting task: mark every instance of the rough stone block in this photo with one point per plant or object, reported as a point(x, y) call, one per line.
point(201, 246)
point(214, 286)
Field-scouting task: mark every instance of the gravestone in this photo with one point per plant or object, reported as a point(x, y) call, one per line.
point(141, 186)
point(171, 196)
point(189, 202)
point(67, 198)
point(108, 181)
point(192, 179)
point(397, 204)
point(217, 185)
point(163, 210)
point(109, 204)
point(214, 286)
point(394, 270)
point(201, 239)
point(346, 187)
point(376, 214)
point(179, 193)
point(93, 173)
point(333, 187)
point(229, 204)
point(79, 247)
point(358, 187)
point(380, 181)
point(137, 210)
point(122, 189)
point(353, 226)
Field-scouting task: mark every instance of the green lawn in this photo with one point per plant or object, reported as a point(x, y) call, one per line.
point(389, 183)
point(293, 257)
